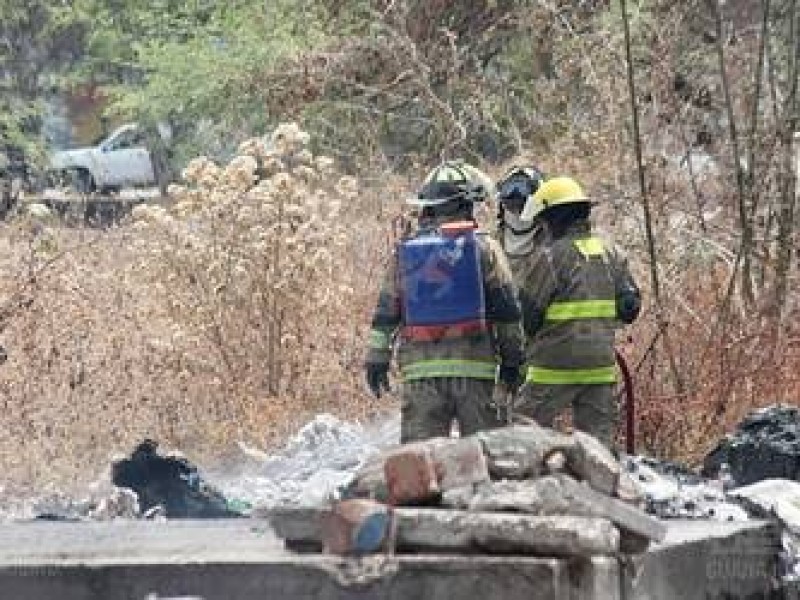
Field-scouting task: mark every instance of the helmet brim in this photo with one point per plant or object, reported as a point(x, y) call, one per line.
point(423, 202)
point(534, 208)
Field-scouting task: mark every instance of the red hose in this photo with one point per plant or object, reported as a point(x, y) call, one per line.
point(630, 403)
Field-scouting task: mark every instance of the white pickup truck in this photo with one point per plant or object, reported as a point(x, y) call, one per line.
point(120, 160)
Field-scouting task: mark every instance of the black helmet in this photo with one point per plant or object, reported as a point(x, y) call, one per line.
point(452, 181)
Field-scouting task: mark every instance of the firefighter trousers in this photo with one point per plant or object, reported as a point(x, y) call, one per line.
point(429, 407)
point(594, 409)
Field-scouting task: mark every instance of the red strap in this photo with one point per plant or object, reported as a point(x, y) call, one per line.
point(434, 333)
point(457, 227)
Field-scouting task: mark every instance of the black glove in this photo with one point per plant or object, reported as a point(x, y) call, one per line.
point(511, 376)
point(629, 302)
point(377, 378)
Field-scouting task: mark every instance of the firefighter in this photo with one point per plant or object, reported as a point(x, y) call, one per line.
point(518, 238)
point(574, 294)
point(448, 306)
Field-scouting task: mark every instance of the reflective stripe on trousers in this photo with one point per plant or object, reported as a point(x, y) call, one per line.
point(596, 375)
point(473, 369)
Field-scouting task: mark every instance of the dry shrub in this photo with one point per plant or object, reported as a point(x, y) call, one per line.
point(729, 357)
point(250, 259)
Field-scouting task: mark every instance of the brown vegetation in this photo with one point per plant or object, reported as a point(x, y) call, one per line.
point(235, 314)
point(239, 311)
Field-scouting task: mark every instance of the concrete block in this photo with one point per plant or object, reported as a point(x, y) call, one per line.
point(592, 462)
point(241, 559)
point(418, 473)
point(281, 577)
point(596, 578)
point(521, 451)
point(460, 463)
point(561, 495)
point(708, 560)
point(437, 530)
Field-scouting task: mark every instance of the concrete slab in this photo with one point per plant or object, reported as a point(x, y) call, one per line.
point(318, 579)
point(243, 560)
point(47, 542)
point(704, 560)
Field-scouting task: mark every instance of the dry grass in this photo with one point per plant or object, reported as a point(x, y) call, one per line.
point(728, 365)
point(233, 316)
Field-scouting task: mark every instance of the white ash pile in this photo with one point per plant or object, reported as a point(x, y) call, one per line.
point(315, 462)
point(99, 501)
point(519, 490)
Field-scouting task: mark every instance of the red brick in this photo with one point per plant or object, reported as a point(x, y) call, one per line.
point(355, 527)
point(411, 475)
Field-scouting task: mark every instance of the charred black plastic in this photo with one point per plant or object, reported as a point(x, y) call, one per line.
point(765, 445)
point(169, 481)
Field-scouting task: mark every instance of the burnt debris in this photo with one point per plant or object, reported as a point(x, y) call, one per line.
point(171, 482)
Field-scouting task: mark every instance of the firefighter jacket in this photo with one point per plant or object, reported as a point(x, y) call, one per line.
point(574, 292)
point(472, 352)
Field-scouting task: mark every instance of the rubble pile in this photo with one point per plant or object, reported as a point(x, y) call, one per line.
point(521, 490)
point(765, 446)
point(329, 459)
point(752, 473)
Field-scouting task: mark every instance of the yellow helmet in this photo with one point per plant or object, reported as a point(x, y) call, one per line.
point(453, 180)
point(553, 192)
